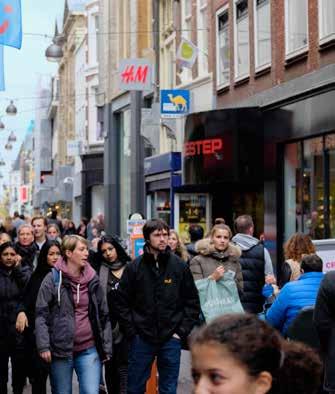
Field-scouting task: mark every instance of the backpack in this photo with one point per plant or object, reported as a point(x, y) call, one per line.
point(56, 279)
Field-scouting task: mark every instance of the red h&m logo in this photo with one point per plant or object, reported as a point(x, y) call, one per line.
point(135, 74)
point(203, 147)
point(132, 74)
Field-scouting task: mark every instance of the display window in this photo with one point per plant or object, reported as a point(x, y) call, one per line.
point(309, 187)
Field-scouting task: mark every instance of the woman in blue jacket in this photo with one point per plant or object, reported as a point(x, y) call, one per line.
point(297, 294)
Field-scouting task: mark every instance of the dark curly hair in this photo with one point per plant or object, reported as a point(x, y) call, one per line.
point(294, 367)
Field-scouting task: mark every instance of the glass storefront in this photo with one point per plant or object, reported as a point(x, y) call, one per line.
point(160, 205)
point(309, 187)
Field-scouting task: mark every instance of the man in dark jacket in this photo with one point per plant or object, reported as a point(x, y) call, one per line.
point(324, 320)
point(158, 307)
point(255, 262)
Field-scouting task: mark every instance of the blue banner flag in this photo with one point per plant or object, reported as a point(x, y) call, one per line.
point(2, 71)
point(11, 23)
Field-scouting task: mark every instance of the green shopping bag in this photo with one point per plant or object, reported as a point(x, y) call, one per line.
point(218, 297)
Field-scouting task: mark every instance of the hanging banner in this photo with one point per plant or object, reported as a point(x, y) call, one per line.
point(135, 74)
point(11, 23)
point(187, 53)
point(24, 194)
point(2, 70)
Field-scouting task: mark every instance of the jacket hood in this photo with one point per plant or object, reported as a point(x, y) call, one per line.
point(206, 248)
point(86, 275)
point(245, 241)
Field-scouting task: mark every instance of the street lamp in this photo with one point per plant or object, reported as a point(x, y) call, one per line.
point(54, 52)
point(2, 126)
point(9, 146)
point(2, 162)
point(11, 110)
point(12, 137)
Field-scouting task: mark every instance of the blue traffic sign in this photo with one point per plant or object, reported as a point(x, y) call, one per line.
point(175, 103)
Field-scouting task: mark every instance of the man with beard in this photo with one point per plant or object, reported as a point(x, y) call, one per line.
point(158, 306)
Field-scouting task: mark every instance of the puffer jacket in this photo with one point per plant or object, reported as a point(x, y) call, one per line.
point(12, 284)
point(55, 317)
point(208, 259)
point(292, 298)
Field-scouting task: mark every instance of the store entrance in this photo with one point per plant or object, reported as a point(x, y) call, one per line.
point(229, 204)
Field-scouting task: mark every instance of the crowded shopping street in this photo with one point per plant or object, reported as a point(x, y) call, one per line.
point(167, 196)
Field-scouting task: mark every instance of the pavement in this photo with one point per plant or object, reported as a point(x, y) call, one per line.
point(184, 382)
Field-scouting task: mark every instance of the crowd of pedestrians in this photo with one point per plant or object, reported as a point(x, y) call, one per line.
point(72, 300)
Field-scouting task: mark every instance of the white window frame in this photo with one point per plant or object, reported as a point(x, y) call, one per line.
point(260, 67)
point(217, 15)
point(240, 77)
point(322, 37)
point(203, 54)
point(302, 49)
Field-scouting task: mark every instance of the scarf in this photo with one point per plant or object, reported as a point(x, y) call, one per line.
point(27, 253)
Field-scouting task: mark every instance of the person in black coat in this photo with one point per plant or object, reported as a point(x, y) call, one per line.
point(26, 246)
point(38, 369)
point(112, 259)
point(324, 320)
point(158, 306)
point(13, 279)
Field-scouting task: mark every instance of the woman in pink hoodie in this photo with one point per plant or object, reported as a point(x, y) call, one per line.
point(73, 330)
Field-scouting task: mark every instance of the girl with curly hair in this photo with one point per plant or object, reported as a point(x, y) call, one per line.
point(296, 247)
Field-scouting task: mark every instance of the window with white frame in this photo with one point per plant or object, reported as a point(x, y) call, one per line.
point(241, 19)
point(202, 8)
point(97, 36)
point(262, 33)
point(222, 45)
point(296, 27)
point(326, 19)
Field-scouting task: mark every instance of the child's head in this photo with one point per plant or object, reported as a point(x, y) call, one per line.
point(239, 354)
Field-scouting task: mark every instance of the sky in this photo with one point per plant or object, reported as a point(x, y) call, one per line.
point(24, 69)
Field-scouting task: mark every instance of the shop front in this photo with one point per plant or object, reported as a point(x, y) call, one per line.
point(162, 176)
point(223, 169)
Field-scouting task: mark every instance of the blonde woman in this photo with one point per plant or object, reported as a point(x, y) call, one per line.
point(73, 331)
point(177, 246)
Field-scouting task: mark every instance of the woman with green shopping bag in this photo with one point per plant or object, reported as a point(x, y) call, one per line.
point(217, 273)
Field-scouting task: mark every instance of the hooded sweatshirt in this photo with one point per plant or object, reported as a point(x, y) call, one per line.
point(83, 338)
point(246, 242)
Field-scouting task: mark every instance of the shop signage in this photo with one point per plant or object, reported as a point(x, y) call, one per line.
point(175, 103)
point(24, 194)
point(187, 53)
point(325, 249)
point(73, 147)
point(135, 74)
point(203, 147)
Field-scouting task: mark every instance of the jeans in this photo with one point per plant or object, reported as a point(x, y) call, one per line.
point(141, 357)
point(88, 369)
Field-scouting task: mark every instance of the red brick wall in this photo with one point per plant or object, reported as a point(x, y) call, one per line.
point(280, 71)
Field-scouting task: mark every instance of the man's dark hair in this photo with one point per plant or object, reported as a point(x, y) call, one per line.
point(311, 263)
point(243, 223)
point(153, 225)
point(54, 214)
point(196, 232)
point(16, 214)
point(39, 218)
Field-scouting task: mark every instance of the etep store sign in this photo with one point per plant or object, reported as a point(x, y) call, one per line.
point(135, 74)
point(203, 147)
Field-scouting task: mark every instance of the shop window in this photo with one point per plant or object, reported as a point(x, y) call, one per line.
point(296, 26)
point(222, 44)
point(313, 188)
point(293, 190)
point(262, 33)
point(326, 20)
point(241, 29)
point(202, 32)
